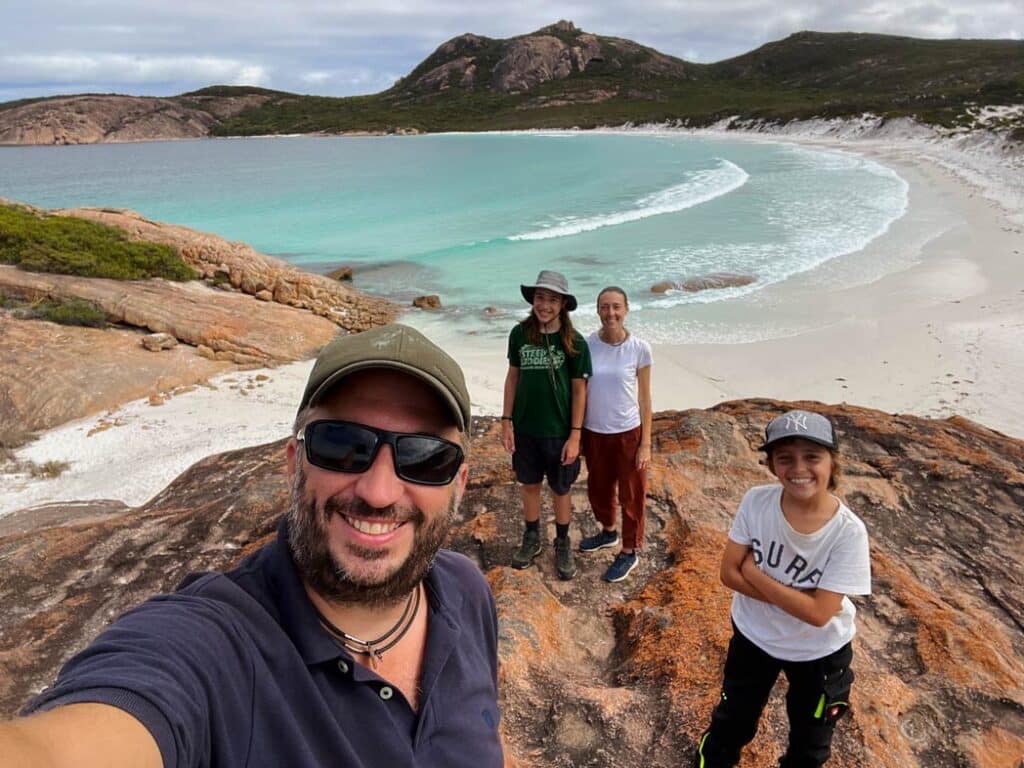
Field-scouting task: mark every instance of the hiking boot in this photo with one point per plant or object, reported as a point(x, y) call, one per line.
point(621, 567)
point(528, 550)
point(564, 562)
point(598, 541)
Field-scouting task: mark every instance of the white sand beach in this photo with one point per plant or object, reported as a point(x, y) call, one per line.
point(927, 320)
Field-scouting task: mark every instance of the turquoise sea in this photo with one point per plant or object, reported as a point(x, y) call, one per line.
point(470, 217)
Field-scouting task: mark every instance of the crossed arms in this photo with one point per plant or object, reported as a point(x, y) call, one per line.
point(739, 573)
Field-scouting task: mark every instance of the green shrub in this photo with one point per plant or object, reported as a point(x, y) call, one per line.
point(12, 437)
point(69, 246)
point(74, 312)
point(50, 469)
point(63, 312)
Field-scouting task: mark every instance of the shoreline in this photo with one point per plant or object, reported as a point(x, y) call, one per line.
point(927, 316)
point(936, 336)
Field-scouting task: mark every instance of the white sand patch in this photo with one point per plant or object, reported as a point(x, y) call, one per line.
point(132, 452)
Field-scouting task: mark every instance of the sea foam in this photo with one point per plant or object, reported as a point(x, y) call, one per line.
point(700, 187)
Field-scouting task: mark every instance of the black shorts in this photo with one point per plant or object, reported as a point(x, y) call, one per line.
point(538, 457)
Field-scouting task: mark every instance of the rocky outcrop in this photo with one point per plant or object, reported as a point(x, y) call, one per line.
point(223, 326)
point(51, 374)
point(626, 674)
point(92, 119)
point(520, 64)
point(341, 273)
point(247, 270)
point(158, 342)
point(530, 61)
point(87, 371)
point(430, 301)
point(714, 281)
point(461, 71)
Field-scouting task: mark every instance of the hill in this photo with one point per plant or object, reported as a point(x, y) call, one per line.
point(563, 77)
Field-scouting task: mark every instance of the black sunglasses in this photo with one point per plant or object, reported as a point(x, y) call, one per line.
point(344, 446)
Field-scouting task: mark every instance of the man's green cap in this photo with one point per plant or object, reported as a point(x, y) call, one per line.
point(395, 347)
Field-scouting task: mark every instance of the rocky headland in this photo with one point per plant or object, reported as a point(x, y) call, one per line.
point(93, 118)
point(626, 674)
point(247, 309)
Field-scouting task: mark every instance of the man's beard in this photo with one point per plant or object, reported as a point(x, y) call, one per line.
point(310, 547)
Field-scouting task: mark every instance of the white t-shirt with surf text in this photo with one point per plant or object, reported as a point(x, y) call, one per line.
point(835, 557)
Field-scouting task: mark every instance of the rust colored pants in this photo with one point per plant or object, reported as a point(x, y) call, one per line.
point(611, 465)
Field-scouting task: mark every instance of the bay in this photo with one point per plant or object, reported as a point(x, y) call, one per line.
point(472, 216)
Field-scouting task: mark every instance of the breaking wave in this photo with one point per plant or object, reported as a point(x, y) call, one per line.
point(700, 187)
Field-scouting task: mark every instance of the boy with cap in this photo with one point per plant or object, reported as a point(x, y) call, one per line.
point(352, 639)
point(794, 553)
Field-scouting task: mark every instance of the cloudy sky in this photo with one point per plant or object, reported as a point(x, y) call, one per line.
point(340, 48)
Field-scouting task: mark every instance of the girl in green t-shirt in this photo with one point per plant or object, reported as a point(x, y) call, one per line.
point(544, 402)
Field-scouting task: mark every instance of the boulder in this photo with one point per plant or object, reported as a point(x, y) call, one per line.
point(156, 342)
point(711, 282)
point(341, 273)
point(431, 301)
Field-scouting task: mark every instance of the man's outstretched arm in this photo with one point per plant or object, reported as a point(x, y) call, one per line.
point(78, 736)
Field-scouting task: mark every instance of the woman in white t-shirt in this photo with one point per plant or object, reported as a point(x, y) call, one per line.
point(794, 553)
point(617, 432)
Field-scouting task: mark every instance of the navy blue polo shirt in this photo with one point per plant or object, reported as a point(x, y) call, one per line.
point(235, 670)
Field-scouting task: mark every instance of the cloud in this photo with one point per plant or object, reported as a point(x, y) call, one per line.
point(316, 78)
point(341, 48)
point(124, 69)
point(361, 79)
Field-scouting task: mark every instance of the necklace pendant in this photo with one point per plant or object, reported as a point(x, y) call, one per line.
point(374, 656)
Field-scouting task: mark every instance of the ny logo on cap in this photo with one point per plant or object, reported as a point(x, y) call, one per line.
point(796, 420)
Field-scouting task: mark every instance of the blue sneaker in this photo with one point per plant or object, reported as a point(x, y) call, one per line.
point(621, 567)
point(599, 541)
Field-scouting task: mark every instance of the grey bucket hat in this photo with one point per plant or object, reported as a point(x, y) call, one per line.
point(803, 424)
point(552, 281)
point(396, 347)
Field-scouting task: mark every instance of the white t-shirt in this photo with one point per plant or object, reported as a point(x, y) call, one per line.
point(835, 557)
point(612, 401)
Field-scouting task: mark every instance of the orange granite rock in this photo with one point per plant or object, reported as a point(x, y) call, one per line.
point(626, 674)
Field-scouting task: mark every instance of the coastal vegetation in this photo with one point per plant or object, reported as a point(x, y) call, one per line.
point(13, 438)
point(71, 312)
point(41, 242)
point(61, 311)
point(563, 77)
point(803, 76)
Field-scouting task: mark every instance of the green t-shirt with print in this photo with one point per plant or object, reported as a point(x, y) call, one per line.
point(545, 372)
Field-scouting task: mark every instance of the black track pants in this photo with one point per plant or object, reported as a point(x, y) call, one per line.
point(818, 695)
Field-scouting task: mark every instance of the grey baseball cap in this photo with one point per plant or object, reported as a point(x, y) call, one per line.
point(552, 281)
point(394, 347)
point(804, 424)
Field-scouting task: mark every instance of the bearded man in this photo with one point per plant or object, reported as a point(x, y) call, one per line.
point(353, 639)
